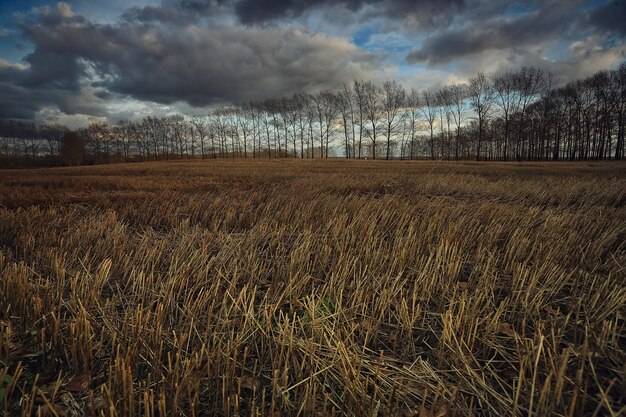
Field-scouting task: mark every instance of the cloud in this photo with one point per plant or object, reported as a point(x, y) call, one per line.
point(610, 17)
point(76, 63)
point(204, 65)
point(186, 55)
point(497, 33)
point(583, 58)
point(23, 103)
point(51, 114)
point(179, 12)
point(588, 57)
point(424, 11)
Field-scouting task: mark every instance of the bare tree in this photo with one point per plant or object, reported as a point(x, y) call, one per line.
point(457, 96)
point(528, 84)
point(393, 100)
point(123, 133)
point(372, 97)
point(534, 118)
point(481, 100)
point(620, 86)
point(350, 99)
point(446, 102)
point(429, 110)
point(413, 104)
point(346, 112)
point(302, 103)
point(326, 112)
point(202, 130)
point(507, 99)
point(360, 106)
point(243, 124)
point(52, 134)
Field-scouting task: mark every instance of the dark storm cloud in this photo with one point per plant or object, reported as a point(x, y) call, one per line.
point(179, 12)
point(202, 52)
point(426, 12)
point(20, 101)
point(610, 17)
point(249, 12)
point(255, 11)
point(153, 14)
point(548, 21)
point(51, 73)
point(496, 33)
point(170, 62)
point(202, 66)
point(51, 65)
point(201, 6)
point(50, 69)
point(16, 102)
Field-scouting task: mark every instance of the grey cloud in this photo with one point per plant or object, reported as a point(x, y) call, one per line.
point(169, 63)
point(485, 30)
point(412, 13)
point(179, 12)
point(201, 6)
point(196, 52)
point(497, 33)
point(200, 65)
point(16, 102)
point(52, 70)
point(153, 14)
point(610, 17)
point(584, 59)
point(255, 11)
point(23, 103)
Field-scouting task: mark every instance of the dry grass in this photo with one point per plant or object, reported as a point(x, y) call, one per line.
point(313, 288)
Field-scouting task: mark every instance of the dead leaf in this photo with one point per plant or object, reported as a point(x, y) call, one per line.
point(19, 351)
point(507, 329)
point(440, 410)
point(74, 409)
point(249, 382)
point(552, 311)
point(98, 404)
point(78, 383)
point(57, 410)
point(409, 412)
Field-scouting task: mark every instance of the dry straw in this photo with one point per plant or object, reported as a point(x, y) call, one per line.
point(320, 288)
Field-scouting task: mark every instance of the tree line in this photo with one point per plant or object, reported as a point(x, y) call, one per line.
point(517, 115)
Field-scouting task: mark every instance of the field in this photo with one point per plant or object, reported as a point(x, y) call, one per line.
point(314, 288)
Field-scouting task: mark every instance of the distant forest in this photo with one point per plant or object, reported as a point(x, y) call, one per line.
point(520, 115)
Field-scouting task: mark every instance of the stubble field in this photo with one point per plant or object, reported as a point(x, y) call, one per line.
point(313, 288)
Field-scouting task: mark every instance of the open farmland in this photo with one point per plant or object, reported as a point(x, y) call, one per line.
point(313, 288)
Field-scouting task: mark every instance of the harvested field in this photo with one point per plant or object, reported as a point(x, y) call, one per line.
point(314, 288)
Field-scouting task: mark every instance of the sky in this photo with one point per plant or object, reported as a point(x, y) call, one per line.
point(81, 61)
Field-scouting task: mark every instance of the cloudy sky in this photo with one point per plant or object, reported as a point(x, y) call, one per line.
point(84, 60)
